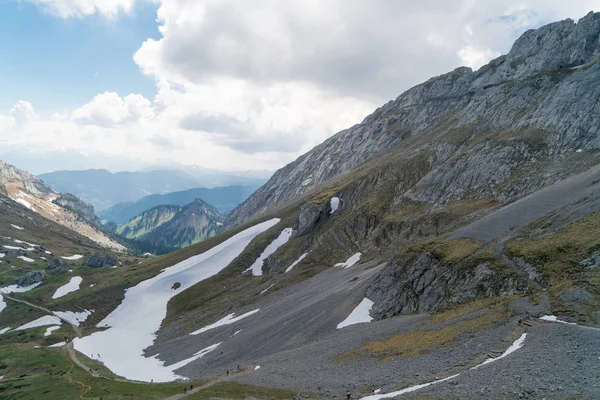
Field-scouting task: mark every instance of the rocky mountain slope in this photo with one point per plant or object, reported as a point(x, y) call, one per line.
point(224, 199)
point(64, 209)
point(502, 131)
point(174, 226)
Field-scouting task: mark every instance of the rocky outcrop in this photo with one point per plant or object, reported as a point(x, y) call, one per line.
point(31, 278)
point(102, 260)
point(310, 216)
point(485, 133)
point(58, 266)
point(79, 207)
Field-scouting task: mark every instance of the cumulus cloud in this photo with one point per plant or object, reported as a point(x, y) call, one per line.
point(111, 110)
point(22, 112)
point(83, 8)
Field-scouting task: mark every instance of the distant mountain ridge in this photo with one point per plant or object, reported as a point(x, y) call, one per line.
point(104, 189)
point(224, 199)
point(174, 226)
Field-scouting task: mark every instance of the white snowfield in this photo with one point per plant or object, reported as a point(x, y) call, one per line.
point(26, 259)
point(335, 204)
point(12, 247)
point(59, 344)
point(282, 239)
point(2, 303)
point(74, 318)
point(132, 325)
point(349, 262)
point(50, 330)
point(302, 257)
point(228, 320)
point(359, 315)
point(42, 321)
point(517, 344)
point(196, 356)
point(2, 255)
point(4, 330)
point(74, 257)
point(17, 227)
point(18, 289)
point(70, 287)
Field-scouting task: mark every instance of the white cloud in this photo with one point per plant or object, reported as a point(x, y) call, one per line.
point(83, 8)
point(111, 110)
point(22, 113)
point(475, 58)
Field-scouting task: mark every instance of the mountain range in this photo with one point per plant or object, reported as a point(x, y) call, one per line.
point(224, 199)
point(104, 189)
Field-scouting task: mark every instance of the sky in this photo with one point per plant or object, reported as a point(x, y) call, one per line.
point(226, 84)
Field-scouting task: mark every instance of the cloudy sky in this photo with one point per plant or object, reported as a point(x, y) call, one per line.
point(226, 84)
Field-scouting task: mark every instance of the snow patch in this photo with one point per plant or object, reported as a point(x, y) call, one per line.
point(257, 368)
point(48, 252)
point(517, 344)
point(73, 257)
point(4, 330)
point(349, 262)
point(72, 317)
point(42, 321)
point(24, 203)
point(267, 289)
point(236, 332)
point(335, 204)
point(17, 227)
point(132, 325)
point(283, 238)
point(70, 287)
point(553, 318)
point(228, 320)
point(50, 330)
point(302, 257)
point(2, 255)
point(59, 344)
point(407, 390)
point(26, 259)
point(12, 247)
point(18, 289)
point(196, 356)
point(2, 303)
point(359, 315)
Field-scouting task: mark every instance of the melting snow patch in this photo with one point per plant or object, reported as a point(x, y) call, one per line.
point(2, 255)
point(18, 289)
point(132, 325)
point(349, 262)
point(236, 332)
point(2, 303)
point(228, 320)
point(4, 330)
point(265, 291)
point(17, 227)
point(73, 257)
point(50, 330)
point(72, 317)
point(48, 252)
point(43, 321)
point(517, 344)
point(302, 257)
point(359, 315)
point(59, 344)
point(72, 286)
point(26, 259)
point(407, 390)
point(335, 204)
point(12, 247)
point(553, 318)
point(283, 238)
point(257, 368)
point(196, 356)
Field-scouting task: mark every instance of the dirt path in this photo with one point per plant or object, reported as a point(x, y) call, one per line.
point(209, 384)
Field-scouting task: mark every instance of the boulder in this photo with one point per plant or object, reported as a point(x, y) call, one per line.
point(102, 260)
point(31, 278)
point(310, 216)
point(58, 266)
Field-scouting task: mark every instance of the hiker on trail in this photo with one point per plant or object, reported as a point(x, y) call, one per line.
point(184, 390)
point(191, 387)
point(239, 367)
point(348, 395)
point(227, 372)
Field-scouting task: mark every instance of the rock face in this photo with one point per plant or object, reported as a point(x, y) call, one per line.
point(310, 216)
point(102, 260)
point(73, 203)
point(31, 278)
point(476, 129)
point(58, 266)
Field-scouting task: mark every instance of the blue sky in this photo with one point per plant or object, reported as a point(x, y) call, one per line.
point(51, 62)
